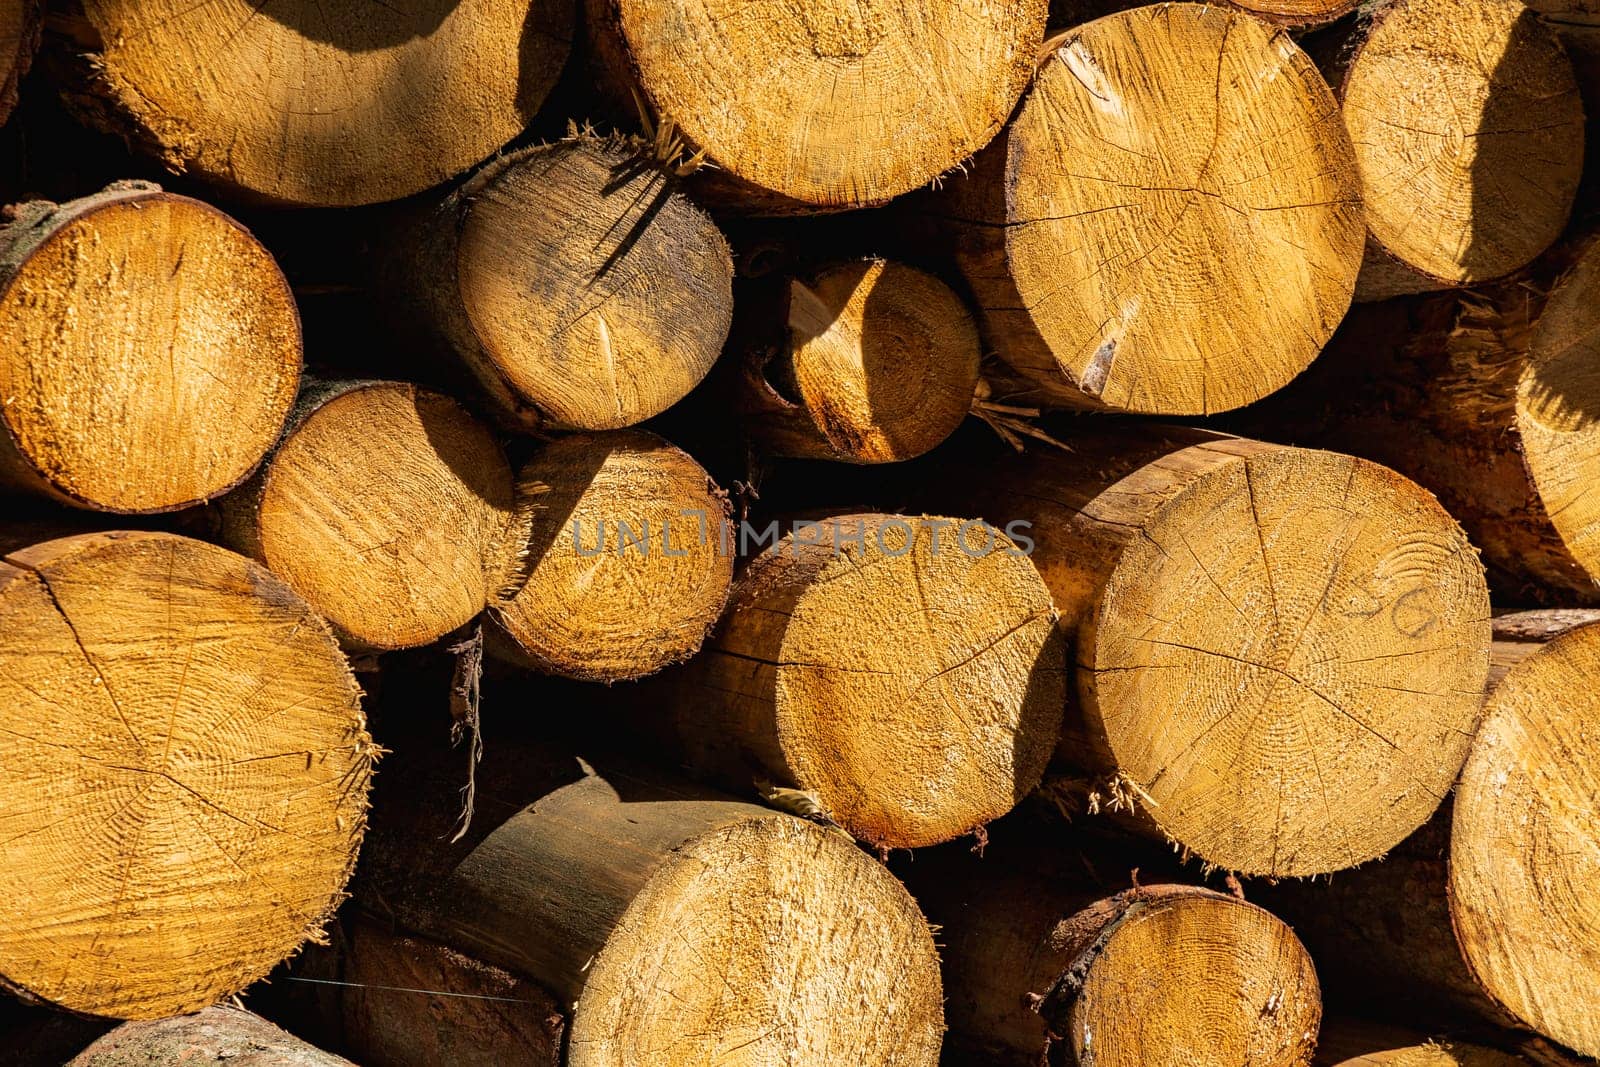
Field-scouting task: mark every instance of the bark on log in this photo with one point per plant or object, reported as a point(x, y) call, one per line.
point(1491, 911)
point(629, 559)
point(219, 1034)
point(19, 36)
point(389, 508)
point(1043, 964)
point(865, 362)
point(1149, 134)
point(1281, 653)
point(681, 926)
point(406, 1001)
point(843, 115)
point(1469, 137)
point(186, 767)
point(903, 676)
point(314, 103)
point(575, 281)
point(151, 350)
point(1489, 399)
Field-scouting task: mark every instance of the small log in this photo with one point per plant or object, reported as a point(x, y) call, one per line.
point(1045, 964)
point(575, 281)
point(219, 1034)
point(1348, 1043)
point(19, 36)
point(1487, 398)
point(1078, 228)
point(843, 113)
point(1489, 912)
point(679, 925)
point(629, 559)
point(151, 350)
point(1469, 136)
point(388, 507)
point(1281, 653)
point(902, 678)
point(873, 362)
point(1290, 14)
point(314, 104)
point(185, 773)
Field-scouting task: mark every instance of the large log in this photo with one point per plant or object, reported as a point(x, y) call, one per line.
point(1046, 964)
point(902, 675)
point(1468, 129)
point(321, 103)
point(1489, 399)
point(220, 1034)
point(679, 925)
point(1149, 135)
point(628, 563)
point(19, 36)
point(388, 507)
point(149, 350)
point(863, 362)
point(1490, 912)
point(1281, 653)
point(185, 773)
point(856, 102)
point(574, 280)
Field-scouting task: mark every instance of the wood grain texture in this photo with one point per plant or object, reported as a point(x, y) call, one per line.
point(20, 25)
point(1524, 854)
point(1173, 222)
point(629, 560)
point(186, 769)
point(856, 101)
point(1280, 652)
point(151, 350)
point(911, 681)
point(1045, 964)
point(1469, 135)
point(874, 362)
point(315, 102)
point(389, 508)
point(681, 926)
point(577, 283)
point(219, 1034)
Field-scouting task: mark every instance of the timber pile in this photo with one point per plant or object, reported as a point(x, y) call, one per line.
point(870, 532)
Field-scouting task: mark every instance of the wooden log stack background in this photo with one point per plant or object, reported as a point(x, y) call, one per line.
point(800, 532)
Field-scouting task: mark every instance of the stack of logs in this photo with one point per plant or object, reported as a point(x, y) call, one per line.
point(819, 532)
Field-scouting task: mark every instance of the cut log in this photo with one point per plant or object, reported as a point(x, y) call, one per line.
point(1281, 653)
point(681, 926)
point(1290, 14)
point(574, 280)
point(1361, 1044)
point(219, 1034)
point(1490, 911)
point(388, 507)
point(1524, 847)
point(1491, 399)
point(186, 767)
point(857, 101)
point(314, 103)
point(1468, 129)
point(904, 677)
point(407, 1001)
point(1043, 965)
point(1148, 135)
point(873, 362)
point(629, 560)
point(19, 36)
point(149, 350)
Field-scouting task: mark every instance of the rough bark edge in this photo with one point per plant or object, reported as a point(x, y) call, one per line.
point(368, 751)
point(31, 224)
point(138, 1044)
